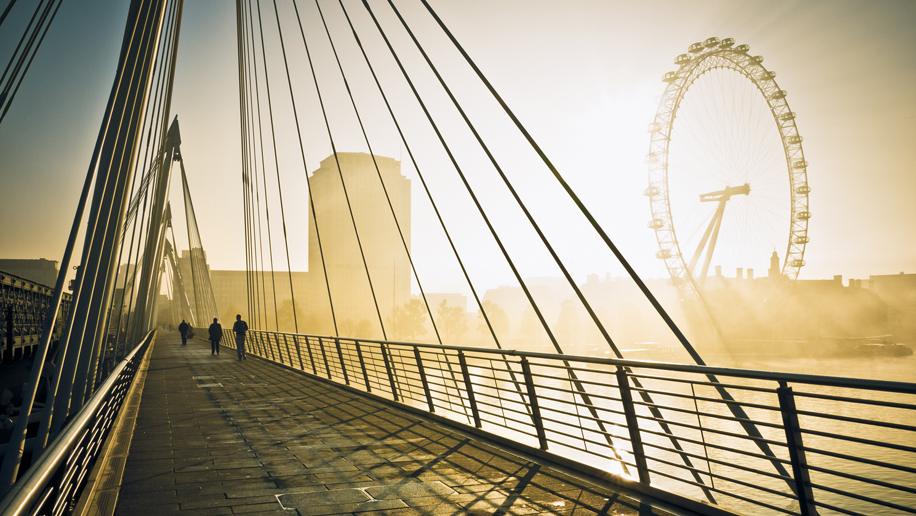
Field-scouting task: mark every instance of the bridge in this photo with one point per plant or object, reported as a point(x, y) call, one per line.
point(322, 414)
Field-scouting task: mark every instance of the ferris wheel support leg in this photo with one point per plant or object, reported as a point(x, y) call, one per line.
point(712, 246)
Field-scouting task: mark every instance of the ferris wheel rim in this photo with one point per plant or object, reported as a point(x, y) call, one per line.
point(702, 58)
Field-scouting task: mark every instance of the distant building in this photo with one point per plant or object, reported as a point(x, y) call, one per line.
point(40, 271)
point(774, 271)
point(230, 289)
point(899, 292)
point(388, 265)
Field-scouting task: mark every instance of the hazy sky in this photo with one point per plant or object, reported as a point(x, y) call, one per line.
point(584, 77)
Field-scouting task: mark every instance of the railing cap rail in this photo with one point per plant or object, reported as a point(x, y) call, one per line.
point(27, 489)
point(829, 381)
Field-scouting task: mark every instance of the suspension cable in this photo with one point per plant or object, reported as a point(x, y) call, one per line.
point(340, 173)
point(5, 96)
point(425, 187)
point(259, 238)
point(467, 185)
point(152, 135)
point(377, 170)
point(305, 169)
point(575, 198)
point(512, 190)
point(739, 412)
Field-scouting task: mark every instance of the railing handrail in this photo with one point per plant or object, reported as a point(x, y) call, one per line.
point(27, 489)
point(829, 381)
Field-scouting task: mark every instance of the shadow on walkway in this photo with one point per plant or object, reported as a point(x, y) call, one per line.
point(216, 435)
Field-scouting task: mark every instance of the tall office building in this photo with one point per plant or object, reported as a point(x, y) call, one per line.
point(388, 265)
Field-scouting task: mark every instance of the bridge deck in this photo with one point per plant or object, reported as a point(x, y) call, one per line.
point(218, 436)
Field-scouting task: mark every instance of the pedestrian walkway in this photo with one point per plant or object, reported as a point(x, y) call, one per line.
point(215, 435)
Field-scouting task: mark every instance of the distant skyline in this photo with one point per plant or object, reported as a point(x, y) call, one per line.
point(584, 78)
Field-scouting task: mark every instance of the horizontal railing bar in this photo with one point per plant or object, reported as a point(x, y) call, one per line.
point(562, 384)
point(716, 446)
point(726, 493)
point(710, 415)
point(596, 431)
point(862, 479)
point(860, 440)
point(838, 509)
point(588, 417)
point(709, 400)
point(604, 445)
point(607, 423)
point(864, 498)
point(860, 421)
point(567, 401)
point(502, 409)
point(860, 460)
point(579, 438)
point(722, 462)
point(707, 429)
point(731, 386)
point(722, 477)
point(846, 399)
point(832, 381)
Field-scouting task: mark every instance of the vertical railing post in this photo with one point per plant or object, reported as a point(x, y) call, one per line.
point(308, 347)
point(796, 450)
point(288, 352)
point(324, 356)
point(467, 387)
point(629, 411)
point(298, 352)
point(388, 367)
point(270, 347)
point(533, 403)
point(343, 367)
point(362, 365)
point(253, 342)
point(250, 341)
point(422, 373)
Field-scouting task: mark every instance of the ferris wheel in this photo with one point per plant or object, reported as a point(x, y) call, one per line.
point(728, 180)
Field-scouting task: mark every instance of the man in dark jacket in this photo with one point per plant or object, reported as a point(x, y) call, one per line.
point(216, 335)
point(240, 327)
point(183, 330)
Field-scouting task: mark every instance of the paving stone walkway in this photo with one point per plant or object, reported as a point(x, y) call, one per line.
point(216, 435)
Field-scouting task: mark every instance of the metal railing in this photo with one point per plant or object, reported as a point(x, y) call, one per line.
point(54, 481)
point(848, 445)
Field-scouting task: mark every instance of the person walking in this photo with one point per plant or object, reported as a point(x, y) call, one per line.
point(216, 335)
point(240, 327)
point(183, 330)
